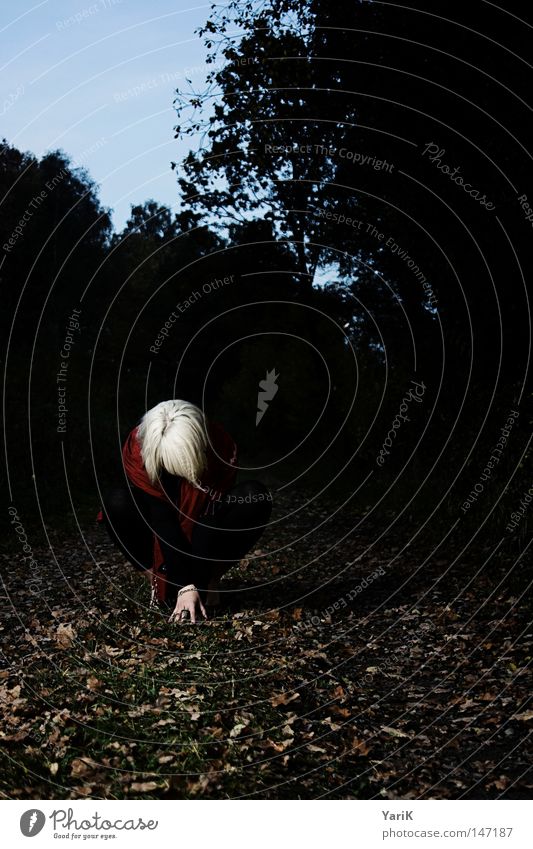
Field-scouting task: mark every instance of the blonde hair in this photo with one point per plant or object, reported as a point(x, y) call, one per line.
point(173, 436)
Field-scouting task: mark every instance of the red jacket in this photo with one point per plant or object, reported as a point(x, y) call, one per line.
point(192, 503)
point(219, 476)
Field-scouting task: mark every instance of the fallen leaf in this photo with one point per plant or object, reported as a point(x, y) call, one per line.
point(394, 732)
point(524, 717)
point(143, 786)
point(361, 747)
point(340, 711)
point(333, 725)
point(283, 699)
point(65, 636)
point(81, 766)
point(278, 747)
point(499, 783)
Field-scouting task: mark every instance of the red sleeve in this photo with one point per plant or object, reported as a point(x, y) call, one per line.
point(222, 459)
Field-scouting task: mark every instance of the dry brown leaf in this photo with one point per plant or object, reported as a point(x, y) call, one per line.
point(193, 712)
point(65, 636)
point(149, 655)
point(113, 651)
point(272, 614)
point(361, 747)
point(143, 786)
point(81, 766)
point(283, 699)
point(333, 725)
point(499, 783)
point(9, 695)
point(525, 716)
point(84, 790)
point(340, 711)
point(395, 732)
point(278, 747)
point(15, 738)
point(199, 786)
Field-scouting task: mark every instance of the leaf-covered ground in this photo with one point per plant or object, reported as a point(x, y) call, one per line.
point(401, 675)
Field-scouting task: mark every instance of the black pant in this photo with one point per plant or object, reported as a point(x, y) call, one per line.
point(231, 527)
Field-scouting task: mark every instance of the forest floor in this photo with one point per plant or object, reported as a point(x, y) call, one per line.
point(413, 686)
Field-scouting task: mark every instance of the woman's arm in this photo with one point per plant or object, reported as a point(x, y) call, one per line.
point(175, 547)
point(181, 565)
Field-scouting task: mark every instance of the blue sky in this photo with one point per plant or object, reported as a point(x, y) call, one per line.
point(97, 79)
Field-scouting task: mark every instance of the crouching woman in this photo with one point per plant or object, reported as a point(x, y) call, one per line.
point(179, 516)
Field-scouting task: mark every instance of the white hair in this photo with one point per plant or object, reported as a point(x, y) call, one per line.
point(173, 436)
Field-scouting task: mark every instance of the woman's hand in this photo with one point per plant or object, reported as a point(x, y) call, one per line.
point(188, 601)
